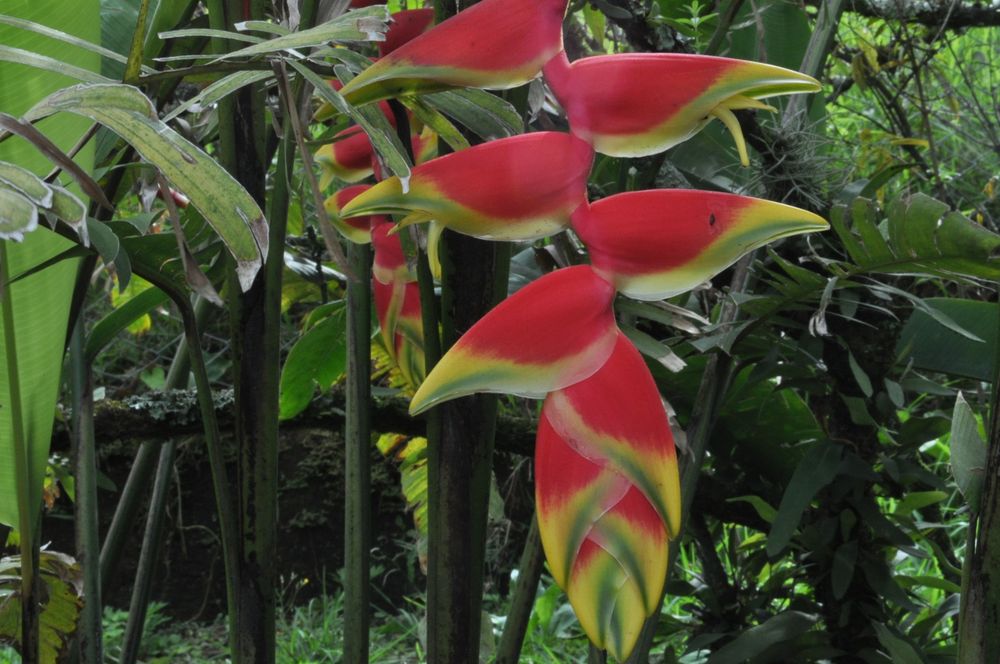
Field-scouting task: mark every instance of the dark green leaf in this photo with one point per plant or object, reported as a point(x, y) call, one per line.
point(484, 114)
point(844, 560)
point(899, 648)
point(932, 346)
point(776, 629)
point(817, 469)
point(763, 510)
point(859, 375)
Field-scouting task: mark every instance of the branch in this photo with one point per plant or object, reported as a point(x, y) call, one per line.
point(936, 14)
point(161, 415)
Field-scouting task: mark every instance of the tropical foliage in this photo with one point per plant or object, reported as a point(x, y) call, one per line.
point(754, 444)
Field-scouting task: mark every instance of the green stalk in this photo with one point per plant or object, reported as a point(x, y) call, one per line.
point(224, 501)
point(254, 324)
point(460, 462)
point(357, 473)
point(150, 555)
point(460, 456)
point(25, 526)
point(141, 474)
point(88, 539)
point(188, 358)
point(139, 479)
point(979, 626)
point(529, 571)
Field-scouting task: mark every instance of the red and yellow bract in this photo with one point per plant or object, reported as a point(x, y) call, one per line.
point(347, 158)
point(517, 188)
point(405, 26)
point(397, 303)
point(608, 496)
point(638, 104)
point(553, 333)
point(658, 243)
point(355, 229)
point(494, 44)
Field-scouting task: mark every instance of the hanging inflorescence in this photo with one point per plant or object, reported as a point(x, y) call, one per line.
point(607, 488)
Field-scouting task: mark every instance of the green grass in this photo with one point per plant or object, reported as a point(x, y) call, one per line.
point(313, 633)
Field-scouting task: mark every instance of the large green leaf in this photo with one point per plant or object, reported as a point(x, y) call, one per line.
point(920, 235)
point(39, 302)
point(225, 204)
point(931, 345)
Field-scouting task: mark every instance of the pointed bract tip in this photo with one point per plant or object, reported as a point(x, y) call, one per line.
point(494, 44)
point(385, 197)
point(658, 243)
point(609, 99)
point(554, 332)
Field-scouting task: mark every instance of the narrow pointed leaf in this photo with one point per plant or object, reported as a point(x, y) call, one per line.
point(658, 243)
point(65, 37)
point(611, 102)
point(493, 44)
point(552, 333)
point(517, 188)
point(226, 205)
point(52, 65)
point(483, 113)
point(362, 25)
point(219, 89)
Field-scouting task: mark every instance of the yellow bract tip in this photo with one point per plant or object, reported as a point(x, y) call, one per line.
point(727, 118)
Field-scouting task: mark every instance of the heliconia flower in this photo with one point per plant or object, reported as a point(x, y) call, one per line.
point(355, 229)
point(658, 243)
point(425, 146)
point(638, 104)
point(494, 44)
point(405, 25)
point(390, 261)
point(608, 496)
point(397, 303)
point(554, 332)
point(517, 188)
point(358, 4)
point(348, 157)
